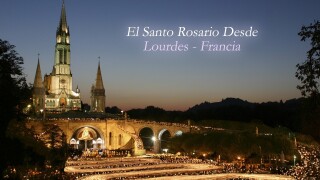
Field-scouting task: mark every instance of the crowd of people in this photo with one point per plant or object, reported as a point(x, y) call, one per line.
point(309, 165)
point(159, 123)
point(154, 165)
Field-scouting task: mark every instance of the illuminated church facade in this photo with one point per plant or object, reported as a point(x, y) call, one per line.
point(55, 93)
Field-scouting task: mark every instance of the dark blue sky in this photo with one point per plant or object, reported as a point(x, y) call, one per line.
point(262, 71)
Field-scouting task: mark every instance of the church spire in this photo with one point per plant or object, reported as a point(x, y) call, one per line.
point(63, 27)
point(63, 35)
point(38, 93)
point(62, 52)
point(38, 79)
point(99, 82)
point(98, 96)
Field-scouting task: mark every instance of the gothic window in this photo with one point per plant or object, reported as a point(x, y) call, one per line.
point(60, 56)
point(65, 56)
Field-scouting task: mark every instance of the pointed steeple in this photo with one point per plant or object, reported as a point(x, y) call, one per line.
point(63, 35)
point(99, 82)
point(38, 78)
point(98, 97)
point(62, 51)
point(77, 90)
point(63, 27)
point(38, 92)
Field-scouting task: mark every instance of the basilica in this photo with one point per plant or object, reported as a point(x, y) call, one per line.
point(55, 93)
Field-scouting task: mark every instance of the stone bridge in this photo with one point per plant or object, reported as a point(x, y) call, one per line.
point(111, 134)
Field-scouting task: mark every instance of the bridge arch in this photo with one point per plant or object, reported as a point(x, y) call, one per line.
point(164, 136)
point(178, 133)
point(147, 136)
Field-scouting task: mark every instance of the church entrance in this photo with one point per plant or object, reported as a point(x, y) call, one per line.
point(62, 102)
point(86, 138)
point(85, 144)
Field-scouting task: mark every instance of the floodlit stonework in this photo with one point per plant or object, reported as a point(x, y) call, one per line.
point(110, 134)
point(55, 92)
point(54, 95)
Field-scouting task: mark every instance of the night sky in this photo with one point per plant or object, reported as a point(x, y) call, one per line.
point(262, 71)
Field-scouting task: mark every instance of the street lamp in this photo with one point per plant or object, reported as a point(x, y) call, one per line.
point(153, 139)
point(239, 159)
point(294, 160)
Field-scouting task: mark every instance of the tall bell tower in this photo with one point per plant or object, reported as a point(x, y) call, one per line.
point(61, 66)
point(58, 84)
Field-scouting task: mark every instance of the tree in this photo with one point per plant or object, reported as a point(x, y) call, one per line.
point(113, 110)
point(11, 81)
point(13, 91)
point(308, 72)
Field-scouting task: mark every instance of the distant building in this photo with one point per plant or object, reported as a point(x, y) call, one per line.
point(98, 96)
point(55, 93)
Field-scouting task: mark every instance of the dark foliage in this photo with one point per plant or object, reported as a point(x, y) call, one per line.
point(21, 147)
point(156, 114)
point(309, 71)
point(231, 145)
point(14, 92)
point(113, 110)
point(271, 113)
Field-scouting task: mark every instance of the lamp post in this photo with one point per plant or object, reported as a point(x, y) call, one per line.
point(165, 150)
point(155, 144)
point(153, 139)
point(260, 155)
point(41, 111)
point(294, 160)
point(240, 161)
